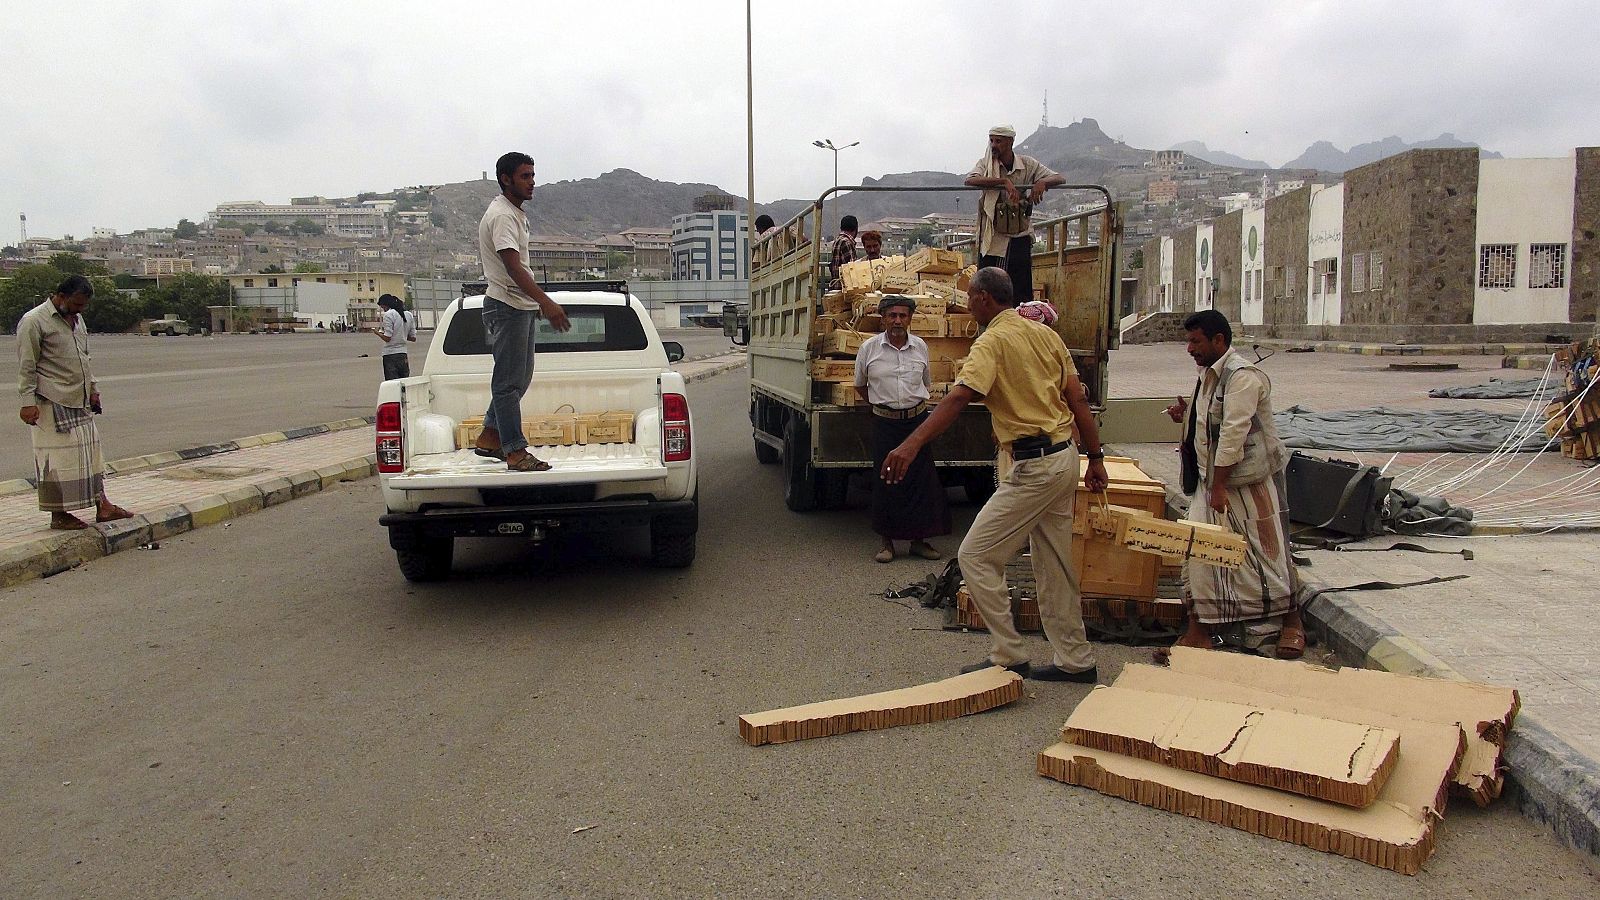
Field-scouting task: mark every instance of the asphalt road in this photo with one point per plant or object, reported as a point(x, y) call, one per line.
point(269, 709)
point(170, 393)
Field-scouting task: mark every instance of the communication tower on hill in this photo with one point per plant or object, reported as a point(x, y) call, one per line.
point(24, 239)
point(1044, 119)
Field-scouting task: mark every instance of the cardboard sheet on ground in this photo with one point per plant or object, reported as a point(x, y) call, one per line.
point(1484, 712)
point(951, 698)
point(1340, 762)
point(1396, 831)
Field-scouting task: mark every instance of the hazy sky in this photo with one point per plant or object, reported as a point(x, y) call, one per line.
point(135, 114)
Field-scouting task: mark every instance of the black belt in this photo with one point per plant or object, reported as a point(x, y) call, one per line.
point(1019, 455)
point(892, 413)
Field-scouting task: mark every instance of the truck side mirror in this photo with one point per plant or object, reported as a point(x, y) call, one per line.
point(674, 350)
point(743, 338)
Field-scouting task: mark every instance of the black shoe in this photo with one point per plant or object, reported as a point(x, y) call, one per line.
point(1020, 668)
point(1053, 673)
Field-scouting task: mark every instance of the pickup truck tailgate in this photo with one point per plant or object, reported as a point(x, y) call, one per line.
point(586, 463)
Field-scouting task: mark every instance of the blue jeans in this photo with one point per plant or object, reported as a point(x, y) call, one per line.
point(510, 332)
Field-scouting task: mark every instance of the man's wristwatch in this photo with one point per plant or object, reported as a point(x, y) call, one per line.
point(1092, 456)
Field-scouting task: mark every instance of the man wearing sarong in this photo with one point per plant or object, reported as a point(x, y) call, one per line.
point(59, 402)
point(892, 375)
point(1022, 372)
point(1236, 479)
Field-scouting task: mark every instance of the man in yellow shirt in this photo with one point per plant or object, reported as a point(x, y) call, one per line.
point(1022, 372)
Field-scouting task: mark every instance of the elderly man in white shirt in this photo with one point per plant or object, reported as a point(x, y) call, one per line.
point(892, 375)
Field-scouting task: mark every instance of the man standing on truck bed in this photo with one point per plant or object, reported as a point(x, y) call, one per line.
point(1005, 217)
point(892, 375)
point(1023, 373)
point(844, 248)
point(511, 309)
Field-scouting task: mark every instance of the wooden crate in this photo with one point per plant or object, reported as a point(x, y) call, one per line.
point(941, 371)
point(610, 427)
point(927, 326)
point(893, 281)
point(837, 303)
point(948, 347)
point(841, 343)
point(843, 395)
point(855, 277)
point(960, 325)
point(550, 429)
point(933, 260)
point(467, 431)
point(833, 370)
point(1105, 567)
point(964, 278)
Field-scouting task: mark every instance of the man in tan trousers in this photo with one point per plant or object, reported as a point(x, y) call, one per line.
point(1022, 372)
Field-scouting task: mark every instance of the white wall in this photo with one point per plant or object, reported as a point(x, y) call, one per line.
point(1325, 241)
point(1205, 266)
point(1524, 202)
point(313, 298)
point(1166, 287)
point(1252, 266)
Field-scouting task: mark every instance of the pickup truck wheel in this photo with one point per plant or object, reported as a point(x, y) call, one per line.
point(800, 480)
point(670, 551)
point(428, 558)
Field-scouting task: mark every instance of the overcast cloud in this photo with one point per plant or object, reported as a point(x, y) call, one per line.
point(136, 114)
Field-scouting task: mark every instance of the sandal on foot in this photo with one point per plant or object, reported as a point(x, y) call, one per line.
point(70, 523)
point(527, 463)
point(490, 452)
point(884, 556)
point(924, 550)
point(112, 514)
point(1291, 643)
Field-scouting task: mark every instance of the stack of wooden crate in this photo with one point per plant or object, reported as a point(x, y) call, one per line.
point(559, 429)
point(1574, 413)
point(930, 277)
point(1118, 583)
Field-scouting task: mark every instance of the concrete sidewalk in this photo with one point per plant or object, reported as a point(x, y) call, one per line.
point(1522, 618)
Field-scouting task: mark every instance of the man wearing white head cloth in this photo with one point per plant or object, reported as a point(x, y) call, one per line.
point(1012, 184)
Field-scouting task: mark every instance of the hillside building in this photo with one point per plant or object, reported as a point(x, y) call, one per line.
point(1434, 245)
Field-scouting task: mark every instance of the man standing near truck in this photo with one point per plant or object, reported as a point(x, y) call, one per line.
point(512, 306)
point(892, 374)
point(1005, 216)
point(1022, 372)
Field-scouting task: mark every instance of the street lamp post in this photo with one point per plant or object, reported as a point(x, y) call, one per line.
point(827, 144)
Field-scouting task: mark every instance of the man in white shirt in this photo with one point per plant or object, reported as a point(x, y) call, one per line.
point(511, 309)
point(395, 329)
point(1012, 183)
point(892, 375)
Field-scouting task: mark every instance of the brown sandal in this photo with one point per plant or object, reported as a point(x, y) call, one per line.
point(527, 463)
point(115, 514)
point(1291, 643)
point(70, 523)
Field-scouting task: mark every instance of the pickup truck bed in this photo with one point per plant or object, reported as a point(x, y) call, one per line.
point(611, 360)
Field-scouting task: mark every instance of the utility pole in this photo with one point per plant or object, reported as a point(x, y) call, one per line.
point(24, 238)
point(750, 134)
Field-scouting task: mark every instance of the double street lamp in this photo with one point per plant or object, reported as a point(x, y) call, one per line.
point(827, 144)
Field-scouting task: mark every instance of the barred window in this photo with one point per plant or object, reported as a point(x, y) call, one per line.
point(1374, 271)
point(1497, 266)
point(1547, 266)
point(1358, 272)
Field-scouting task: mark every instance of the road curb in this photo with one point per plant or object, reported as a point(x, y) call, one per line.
point(57, 553)
point(1371, 349)
point(728, 366)
point(1549, 780)
point(168, 457)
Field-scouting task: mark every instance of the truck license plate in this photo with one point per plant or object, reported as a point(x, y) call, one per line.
point(511, 528)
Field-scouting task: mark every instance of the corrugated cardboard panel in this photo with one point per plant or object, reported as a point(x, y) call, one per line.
point(1383, 835)
point(1341, 762)
point(1482, 711)
point(951, 698)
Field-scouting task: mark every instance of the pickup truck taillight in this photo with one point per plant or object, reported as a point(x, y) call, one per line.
point(675, 427)
point(391, 443)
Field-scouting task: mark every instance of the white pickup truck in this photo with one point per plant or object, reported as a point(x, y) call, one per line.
point(611, 359)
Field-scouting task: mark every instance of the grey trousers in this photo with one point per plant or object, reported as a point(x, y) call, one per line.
point(510, 332)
